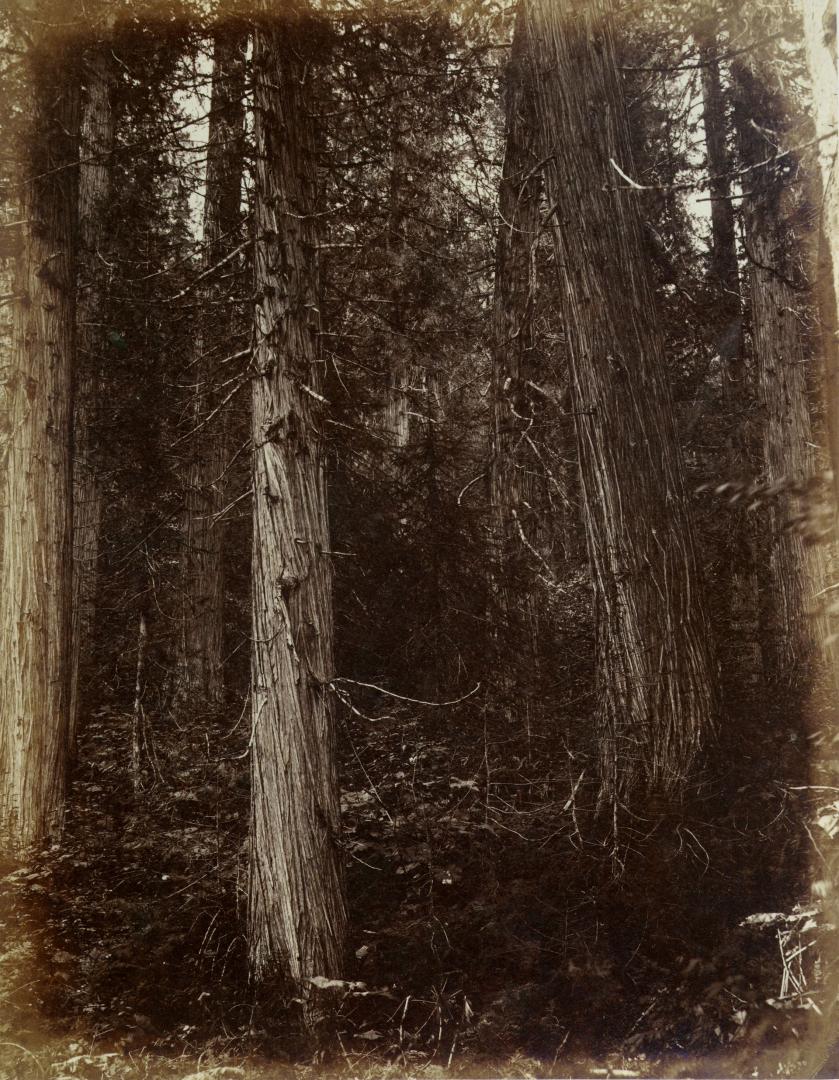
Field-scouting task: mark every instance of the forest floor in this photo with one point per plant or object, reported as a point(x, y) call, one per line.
point(490, 936)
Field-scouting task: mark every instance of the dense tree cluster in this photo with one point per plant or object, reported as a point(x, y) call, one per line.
point(417, 514)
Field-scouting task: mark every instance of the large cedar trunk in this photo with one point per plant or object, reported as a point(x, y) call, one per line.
point(819, 18)
point(512, 319)
point(200, 675)
point(36, 576)
point(95, 182)
point(795, 572)
point(297, 915)
point(655, 674)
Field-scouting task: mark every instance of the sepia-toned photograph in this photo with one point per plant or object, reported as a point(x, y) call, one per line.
point(419, 539)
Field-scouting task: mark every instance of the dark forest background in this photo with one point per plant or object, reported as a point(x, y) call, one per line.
point(573, 409)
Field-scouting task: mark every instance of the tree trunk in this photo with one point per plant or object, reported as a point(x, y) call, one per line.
point(36, 577)
point(655, 674)
point(95, 182)
point(775, 283)
point(512, 315)
point(819, 18)
point(297, 915)
point(737, 400)
point(724, 270)
point(400, 370)
point(200, 675)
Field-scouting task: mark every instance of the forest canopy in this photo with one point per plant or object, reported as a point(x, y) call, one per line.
point(419, 457)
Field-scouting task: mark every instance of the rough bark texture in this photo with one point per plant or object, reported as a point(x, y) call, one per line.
point(297, 915)
point(200, 675)
point(819, 17)
point(96, 147)
point(775, 294)
point(737, 396)
point(36, 575)
point(655, 673)
point(512, 315)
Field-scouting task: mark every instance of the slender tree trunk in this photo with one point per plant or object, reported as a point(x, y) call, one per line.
point(95, 181)
point(512, 350)
point(737, 398)
point(724, 271)
point(400, 370)
point(138, 721)
point(297, 915)
point(200, 675)
point(775, 283)
point(36, 575)
point(655, 674)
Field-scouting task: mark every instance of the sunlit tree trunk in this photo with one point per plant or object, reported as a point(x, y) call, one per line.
point(200, 675)
point(776, 281)
point(819, 17)
point(36, 574)
point(512, 327)
point(655, 674)
point(95, 181)
point(297, 916)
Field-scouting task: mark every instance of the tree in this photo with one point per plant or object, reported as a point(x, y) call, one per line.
point(819, 19)
point(36, 575)
point(655, 673)
point(776, 280)
point(200, 675)
point(512, 314)
point(737, 391)
point(297, 916)
point(95, 185)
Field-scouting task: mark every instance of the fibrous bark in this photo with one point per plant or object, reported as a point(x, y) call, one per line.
point(36, 574)
point(776, 283)
point(740, 556)
point(512, 328)
point(297, 916)
point(200, 675)
point(655, 674)
point(95, 184)
point(819, 18)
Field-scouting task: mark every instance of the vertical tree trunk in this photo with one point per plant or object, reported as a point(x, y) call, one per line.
point(655, 674)
point(297, 916)
point(775, 283)
point(400, 370)
point(95, 182)
point(36, 575)
point(200, 675)
point(724, 270)
point(819, 17)
point(512, 322)
point(737, 399)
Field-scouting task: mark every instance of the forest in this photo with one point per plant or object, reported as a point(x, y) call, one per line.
point(419, 471)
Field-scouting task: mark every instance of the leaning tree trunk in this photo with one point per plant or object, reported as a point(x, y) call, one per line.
point(297, 915)
point(95, 182)
point(200, 675)
point(512, 323)
point(655, 674)
point(36, 575)
point(795, 573)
